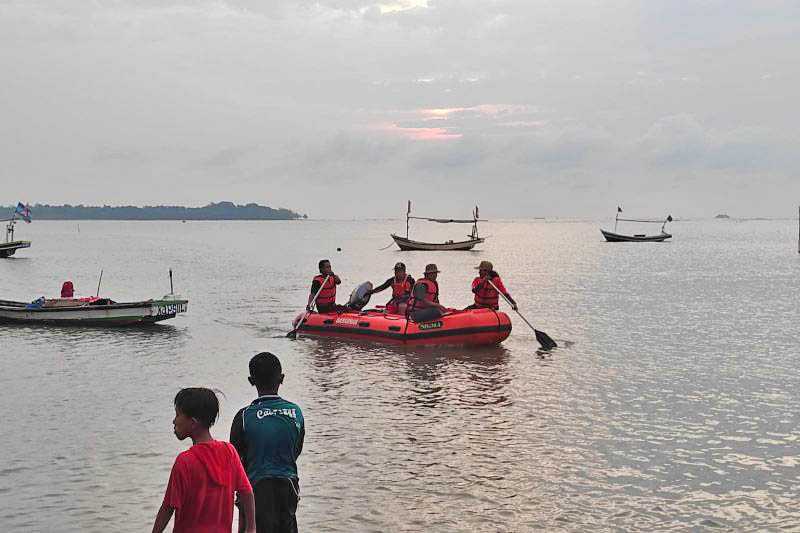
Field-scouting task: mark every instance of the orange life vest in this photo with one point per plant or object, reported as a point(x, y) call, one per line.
point(486, 296)
point(401, 290)
point(432, 289)
point(327, 296)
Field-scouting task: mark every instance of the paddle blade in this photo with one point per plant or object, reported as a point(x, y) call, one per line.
point(545, 340)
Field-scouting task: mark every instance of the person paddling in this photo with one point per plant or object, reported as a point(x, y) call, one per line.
point(486, 296)
point(401, 284)
point(424, 303)
point(327, 280)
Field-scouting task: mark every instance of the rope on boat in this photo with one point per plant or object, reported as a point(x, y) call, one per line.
point(386, 247)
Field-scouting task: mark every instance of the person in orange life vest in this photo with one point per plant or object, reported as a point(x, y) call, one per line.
point(401, 284)
point(485, 294)
point(67, 290)
point(424, 303)
point(326, 301)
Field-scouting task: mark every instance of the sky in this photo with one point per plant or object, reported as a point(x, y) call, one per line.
point(348, 108)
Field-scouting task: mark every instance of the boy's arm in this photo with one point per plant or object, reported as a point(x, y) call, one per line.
point(162, 518)
point(237, 435)
point(248, 503)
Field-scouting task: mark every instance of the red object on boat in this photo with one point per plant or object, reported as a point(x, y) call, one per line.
point(469, 327)
point(67, 289)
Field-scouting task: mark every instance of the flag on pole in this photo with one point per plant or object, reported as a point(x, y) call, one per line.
point(619, 209)
point(24, 212)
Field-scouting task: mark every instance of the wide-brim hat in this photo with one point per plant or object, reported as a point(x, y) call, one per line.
point(431, 269)
point(485, 265)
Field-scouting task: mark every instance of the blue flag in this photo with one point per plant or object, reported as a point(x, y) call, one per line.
point(24, 212)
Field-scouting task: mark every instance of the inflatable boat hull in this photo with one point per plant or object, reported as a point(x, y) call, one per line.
point(472, 327)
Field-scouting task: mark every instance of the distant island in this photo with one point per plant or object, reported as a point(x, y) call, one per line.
point(722, 215)
point(212, 211)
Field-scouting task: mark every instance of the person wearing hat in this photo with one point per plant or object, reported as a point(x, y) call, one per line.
point(424, 303)
point(401, 284)
point(485, 294)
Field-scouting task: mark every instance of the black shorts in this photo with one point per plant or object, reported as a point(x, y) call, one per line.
point(276, 505)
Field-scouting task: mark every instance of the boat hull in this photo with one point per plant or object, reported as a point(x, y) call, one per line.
point(7, 249)
point(617, 237)
point(477, 327)
point(116, 314)
point(410, 245)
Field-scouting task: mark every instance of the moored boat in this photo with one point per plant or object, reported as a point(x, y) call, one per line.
point(10, 246)
point(407, 244)
point(470, 327)
point(92, 311)
point(613, 236)
point(618, 237)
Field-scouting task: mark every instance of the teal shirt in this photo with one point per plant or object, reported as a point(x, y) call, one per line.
point(269, 435)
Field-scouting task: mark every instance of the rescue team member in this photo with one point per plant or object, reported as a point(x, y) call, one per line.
point(268, 435)
point(485, 294)
point(401, 284)
point(326, 301)
point(424, 303)
point(205, 477)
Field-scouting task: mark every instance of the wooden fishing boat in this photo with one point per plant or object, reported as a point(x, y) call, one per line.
point(474, 327)
point(7, 249)
point(613, 236)
point(92, 311)
point(618, 237)
point(407, 244)
point(10, 246)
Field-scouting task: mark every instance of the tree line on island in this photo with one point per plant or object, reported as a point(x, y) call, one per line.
point(212, 211)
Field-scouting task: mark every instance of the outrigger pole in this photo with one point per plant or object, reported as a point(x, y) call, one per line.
point(408, 215)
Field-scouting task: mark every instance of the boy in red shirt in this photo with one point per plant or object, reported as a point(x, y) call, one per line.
point(204, 478)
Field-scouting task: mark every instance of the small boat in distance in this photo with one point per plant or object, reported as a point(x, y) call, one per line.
point(613, 236)
point(406, 244)
point(10, 246)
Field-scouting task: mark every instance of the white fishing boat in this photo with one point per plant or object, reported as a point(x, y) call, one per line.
point(92, 311)
point(10, 246)
point(613, 236)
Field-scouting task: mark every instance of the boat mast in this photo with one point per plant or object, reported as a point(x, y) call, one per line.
point(408, 214)
point(10, 229)
point(475, 223)
point(616, 219)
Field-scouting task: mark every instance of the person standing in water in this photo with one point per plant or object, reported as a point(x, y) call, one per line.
point(204, 478)
point(269, 435)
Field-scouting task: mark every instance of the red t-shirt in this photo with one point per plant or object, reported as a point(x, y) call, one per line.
point(201, 487)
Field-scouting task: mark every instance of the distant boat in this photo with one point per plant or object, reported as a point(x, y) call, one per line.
point(406, 244)
point(91, 311)
point(613, 236)
point(722, 215)
point(10, 246)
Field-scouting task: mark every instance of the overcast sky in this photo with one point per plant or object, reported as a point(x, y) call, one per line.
point(347, 108)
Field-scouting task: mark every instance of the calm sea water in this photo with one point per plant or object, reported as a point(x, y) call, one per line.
point(671, 405)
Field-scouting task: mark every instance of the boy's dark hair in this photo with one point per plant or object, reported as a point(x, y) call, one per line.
point(322, 262)
point(200, 403)
point(265, 370)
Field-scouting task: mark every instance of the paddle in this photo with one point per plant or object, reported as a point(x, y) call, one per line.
point(544, 339)
point(293, 334)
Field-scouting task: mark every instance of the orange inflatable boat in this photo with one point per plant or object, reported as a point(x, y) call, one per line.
point(470, 327)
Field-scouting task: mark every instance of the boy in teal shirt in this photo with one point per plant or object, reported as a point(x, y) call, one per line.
point(268, 434)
